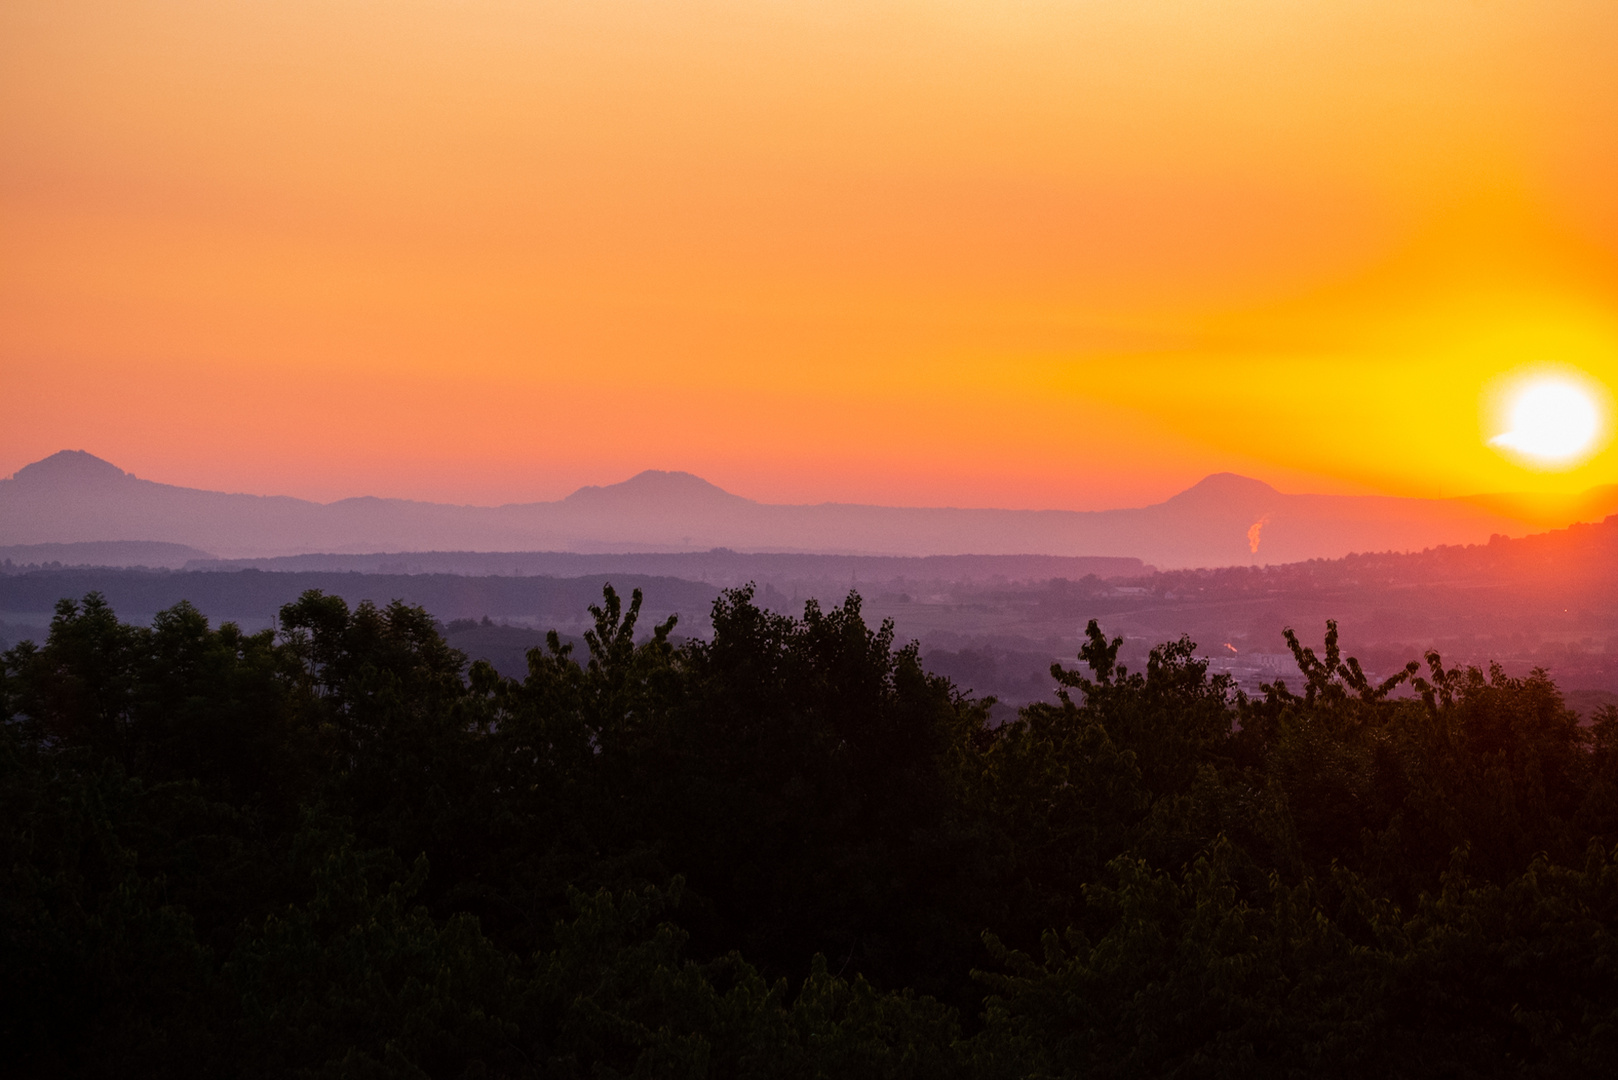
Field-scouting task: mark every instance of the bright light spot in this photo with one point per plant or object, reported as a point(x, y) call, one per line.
point(1552, 420)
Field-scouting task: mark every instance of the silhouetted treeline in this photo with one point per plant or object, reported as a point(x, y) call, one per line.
point(783, 851)
point(260, 595)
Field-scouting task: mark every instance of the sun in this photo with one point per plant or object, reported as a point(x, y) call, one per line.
point(1552, 421)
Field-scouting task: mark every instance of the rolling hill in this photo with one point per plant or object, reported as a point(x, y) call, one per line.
point(1225, 519)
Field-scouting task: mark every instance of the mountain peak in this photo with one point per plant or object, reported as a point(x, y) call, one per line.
point(656, 486)
point(1225, 488)
point(71, 467)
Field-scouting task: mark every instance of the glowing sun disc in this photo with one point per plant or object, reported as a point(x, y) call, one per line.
point(1552, 420)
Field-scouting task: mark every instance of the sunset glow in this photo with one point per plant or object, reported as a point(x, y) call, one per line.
point(965, 539)
point(1029, 254)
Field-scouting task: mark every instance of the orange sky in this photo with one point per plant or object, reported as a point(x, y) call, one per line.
point(1012, 253)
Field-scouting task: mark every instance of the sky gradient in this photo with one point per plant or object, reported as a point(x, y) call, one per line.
point(1012, 254)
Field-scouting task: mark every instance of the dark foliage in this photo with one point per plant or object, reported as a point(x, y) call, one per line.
point(785, 851)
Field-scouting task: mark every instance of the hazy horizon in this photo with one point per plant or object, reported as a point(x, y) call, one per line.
point(1140, 501)
point(1223, 519)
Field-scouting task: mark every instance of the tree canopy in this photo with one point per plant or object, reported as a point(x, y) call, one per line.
point(786, 850)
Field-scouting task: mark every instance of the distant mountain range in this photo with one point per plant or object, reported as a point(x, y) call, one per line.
point(73, 497)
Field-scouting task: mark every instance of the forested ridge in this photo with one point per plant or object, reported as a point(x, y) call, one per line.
point(784, 850)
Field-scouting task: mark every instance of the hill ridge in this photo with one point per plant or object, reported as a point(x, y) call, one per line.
point(1223, 519)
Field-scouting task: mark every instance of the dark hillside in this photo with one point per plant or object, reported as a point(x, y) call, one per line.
point(995, 623)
